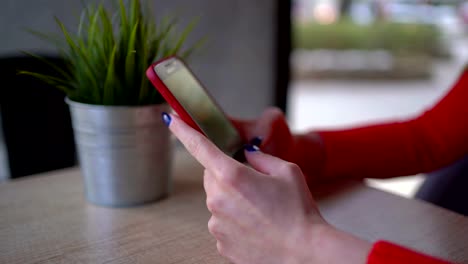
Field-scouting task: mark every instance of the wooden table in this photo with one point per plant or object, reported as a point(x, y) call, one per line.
point(45, 219)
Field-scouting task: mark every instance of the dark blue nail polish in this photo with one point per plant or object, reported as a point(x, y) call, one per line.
point(251, 148)
point(166, 118)
point(256, 141)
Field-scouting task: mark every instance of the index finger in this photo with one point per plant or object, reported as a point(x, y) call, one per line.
point(199, 146)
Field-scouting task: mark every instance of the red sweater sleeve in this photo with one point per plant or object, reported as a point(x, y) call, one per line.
point(387, 253)
point(433, 140)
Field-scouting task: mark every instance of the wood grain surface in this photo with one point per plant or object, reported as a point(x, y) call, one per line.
point(46, 219)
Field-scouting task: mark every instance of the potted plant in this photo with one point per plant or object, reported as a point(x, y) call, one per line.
point(123, 147)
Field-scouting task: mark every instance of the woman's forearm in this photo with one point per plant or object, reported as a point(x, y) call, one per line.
point(327, 244)
point(309, 154)
point(434, 139)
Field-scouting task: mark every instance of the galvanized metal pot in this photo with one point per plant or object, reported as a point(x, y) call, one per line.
point(124, 153)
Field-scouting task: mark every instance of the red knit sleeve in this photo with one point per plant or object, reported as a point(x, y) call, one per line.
point(387, 253)
point(433, 140)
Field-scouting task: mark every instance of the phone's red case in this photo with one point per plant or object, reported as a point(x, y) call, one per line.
point(168, 96)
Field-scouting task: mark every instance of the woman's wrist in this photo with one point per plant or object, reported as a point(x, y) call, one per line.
point(330, 245)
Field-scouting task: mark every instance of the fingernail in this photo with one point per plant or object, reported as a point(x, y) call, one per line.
point(256, 141)
point(166, 118)
point(251, 148)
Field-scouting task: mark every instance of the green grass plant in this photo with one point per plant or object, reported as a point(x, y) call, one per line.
point(109, 52)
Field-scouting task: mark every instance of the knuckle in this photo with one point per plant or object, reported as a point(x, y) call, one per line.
point(231, 176)
point(221, 249)
point(213, 227)
point(274, 115)
point(274, 112)
point(290, 169)
point(214, 205)
point(226, 251)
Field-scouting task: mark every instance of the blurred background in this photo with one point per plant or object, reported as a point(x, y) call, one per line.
point(362, 61)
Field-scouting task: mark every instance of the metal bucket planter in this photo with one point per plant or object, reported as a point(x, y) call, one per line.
point(124, 153)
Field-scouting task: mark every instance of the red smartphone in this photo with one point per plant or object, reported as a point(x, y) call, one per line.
point(192, 102)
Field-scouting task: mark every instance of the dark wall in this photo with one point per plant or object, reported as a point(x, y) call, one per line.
point(36, 123)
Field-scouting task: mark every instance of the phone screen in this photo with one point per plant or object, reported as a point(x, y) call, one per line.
point(199, 105)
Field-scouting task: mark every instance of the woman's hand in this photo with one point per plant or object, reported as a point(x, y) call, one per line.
point(271, 133)
point(263, 213)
